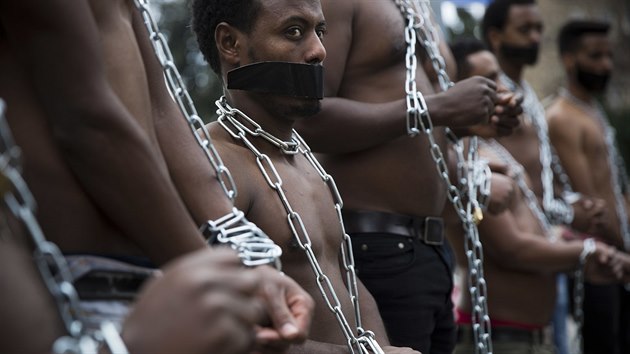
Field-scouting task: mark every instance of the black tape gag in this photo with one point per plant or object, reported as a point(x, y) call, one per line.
point(282, 78)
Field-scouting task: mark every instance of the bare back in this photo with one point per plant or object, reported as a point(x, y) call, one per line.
point(374, 72)
point(309, 197)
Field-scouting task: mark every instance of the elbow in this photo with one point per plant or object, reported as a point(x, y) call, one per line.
point(84, 129)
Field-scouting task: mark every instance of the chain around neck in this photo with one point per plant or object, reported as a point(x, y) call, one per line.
point(616, 164)
point(359, 340)
point(232, 114)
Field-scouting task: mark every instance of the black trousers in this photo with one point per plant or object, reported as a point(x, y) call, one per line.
point(606, 319)
point(412, 284)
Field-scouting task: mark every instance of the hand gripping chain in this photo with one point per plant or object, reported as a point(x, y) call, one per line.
point(363, 342)
point(420, 29)
point(50, 263)
point(252, 244)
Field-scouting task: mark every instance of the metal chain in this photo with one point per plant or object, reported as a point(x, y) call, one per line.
point(519, 172)
point(48, 258)
point(363, 341)
point(419, 29)
point(177, 88)
point(558, 211)
point(253, 245)
point(578, 293)
point(615, 161)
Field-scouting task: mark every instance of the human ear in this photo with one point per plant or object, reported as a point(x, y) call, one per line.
point(494, 37)
point(228, 41)
point(568, 61)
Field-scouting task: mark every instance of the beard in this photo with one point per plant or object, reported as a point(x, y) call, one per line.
point(283, 106)
point(525, 55)
point(593, 82)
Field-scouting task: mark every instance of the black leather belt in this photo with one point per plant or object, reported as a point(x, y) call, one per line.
point(429, 230)
point(104, 285)
point(504, 334)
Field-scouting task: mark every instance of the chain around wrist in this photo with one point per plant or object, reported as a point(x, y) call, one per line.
point(589, 246)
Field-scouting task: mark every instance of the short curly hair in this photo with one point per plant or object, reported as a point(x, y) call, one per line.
point(461, 49)
point(207, 14)
point(496, 15)
point(572, 32)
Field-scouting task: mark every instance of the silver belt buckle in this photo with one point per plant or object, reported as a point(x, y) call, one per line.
point(433, 231)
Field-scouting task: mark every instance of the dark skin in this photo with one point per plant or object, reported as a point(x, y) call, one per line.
point(290, 31)
point(84, 91)
point(579, 138)
point(362, 122)
point(104, 172)
point(524, 27)
point(172, 313)
point(518, 257)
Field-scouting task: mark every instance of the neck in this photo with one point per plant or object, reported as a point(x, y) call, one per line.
point(579, 92)
point(512, 70)
point(273, 123)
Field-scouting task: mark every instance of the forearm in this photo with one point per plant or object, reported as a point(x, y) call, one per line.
point(370, 316)
point(313, 347)
point(105, 148)
point(345, 125)
point(540, 255)
point(191, 171)
point(188, 165)
point(114, 162)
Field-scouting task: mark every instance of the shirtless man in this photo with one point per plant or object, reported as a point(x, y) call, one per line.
point(393, 192)
point(282, 39)
point(519, 257)
point(578, 129)
point(512, 30)
point(82, 111)
point(391, 188)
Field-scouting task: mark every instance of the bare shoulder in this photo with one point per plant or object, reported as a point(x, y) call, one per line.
point(563, 119)
point(230, 149)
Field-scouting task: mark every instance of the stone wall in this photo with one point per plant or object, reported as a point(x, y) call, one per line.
point(548, 74)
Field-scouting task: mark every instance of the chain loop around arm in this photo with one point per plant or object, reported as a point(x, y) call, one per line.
point(253, 246)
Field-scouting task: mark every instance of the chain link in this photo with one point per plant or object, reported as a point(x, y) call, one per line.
point(363, 341)
point(420, 29)
point(558, 211)
point(618, 177)
point(519, 173)
point(178, 90)
point(578, 290)
point(252, 244)
point(48, 258)
point(615, 161)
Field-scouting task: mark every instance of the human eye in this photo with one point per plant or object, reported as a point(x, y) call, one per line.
point(294, 32)
point(321, 32)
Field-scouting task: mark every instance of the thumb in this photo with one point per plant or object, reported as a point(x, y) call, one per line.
point(279, 312)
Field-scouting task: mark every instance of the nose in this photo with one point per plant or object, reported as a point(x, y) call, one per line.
point(315, 53)
point(608, 63)
point(535, 36)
